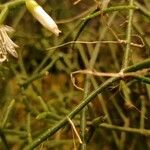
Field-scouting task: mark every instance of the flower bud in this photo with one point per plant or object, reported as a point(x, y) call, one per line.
point(38, 12)
point(7, 46)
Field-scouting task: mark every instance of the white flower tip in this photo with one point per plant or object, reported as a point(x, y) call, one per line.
point(56, 31)
point(39, 13)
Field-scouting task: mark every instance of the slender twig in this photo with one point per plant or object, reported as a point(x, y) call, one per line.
point(43, 104)
point(138, 75)
point(21, 64)
point(3, 138)
point(90, 65)
point(142, 9)
point(51, 115)
point(64, 121)
point(74, 129)
point(43, 62)
point(126, 129)
point(3, 14)
point(15, 132)
point(83, 120)
point(143, 112)
point(29, 128)
point(128, 38)
point(7, 113)
point(84, 115)
point(82, 26)
point(123, 135)
point(95, 42)
point(95, 55)
point(89, 98)
point(43, 72)
point(110, 10)
point(73, 18)
point(142, 79)
point(12, 4)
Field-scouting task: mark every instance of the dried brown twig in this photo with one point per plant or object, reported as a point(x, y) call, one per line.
point(103, 74)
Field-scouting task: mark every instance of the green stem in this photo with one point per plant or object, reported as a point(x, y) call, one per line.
point(64, 121)
point(143, 112)
point(41, 74)
point(43, 104)
point(83, 115)
point(126, 129)
point(14, 132)
point(7, 113)
point(3, 14)
point(128, 38)
point(29, 128)
point(143, 10)
point(142, 79)
point(110, 10)
point(21, 64)
point(95, 53)
point(49, 55)
point(5, 143)
point(105, 110)
point(89, 98)
point(12, 4)
point(138, 66)
point(94, 56)
point(83, 121)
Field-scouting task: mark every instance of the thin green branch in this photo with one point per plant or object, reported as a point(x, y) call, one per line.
point(143, 112)
point(142, 79)
point(148, 91)
point(43, 104)
point(83, 121)
point(33, 78)
point(3, 14)
point(64, 121)
point(82, 26)
point(110, 10)
point(102, 33)
point(21, 64)
point(51, 115)
point(5, 143)
point(126, 129)
point(105, 110)
point(89, 98)
point(128, 38)
point(29, 128)
point(95, 53)
point(142, 9)
point(91, 64)
point(41, 74)
point(139, 66)
point(96, 13)
point(49, 55)
point(84, 115)
point(12, 4)
point(7, 113)
point(123, 136)
point(14, 132)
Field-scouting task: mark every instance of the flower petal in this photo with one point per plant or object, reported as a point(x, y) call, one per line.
point(38, 12)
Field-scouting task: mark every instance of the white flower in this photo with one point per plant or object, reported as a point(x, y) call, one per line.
point(38, 12)
point(6, 44)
